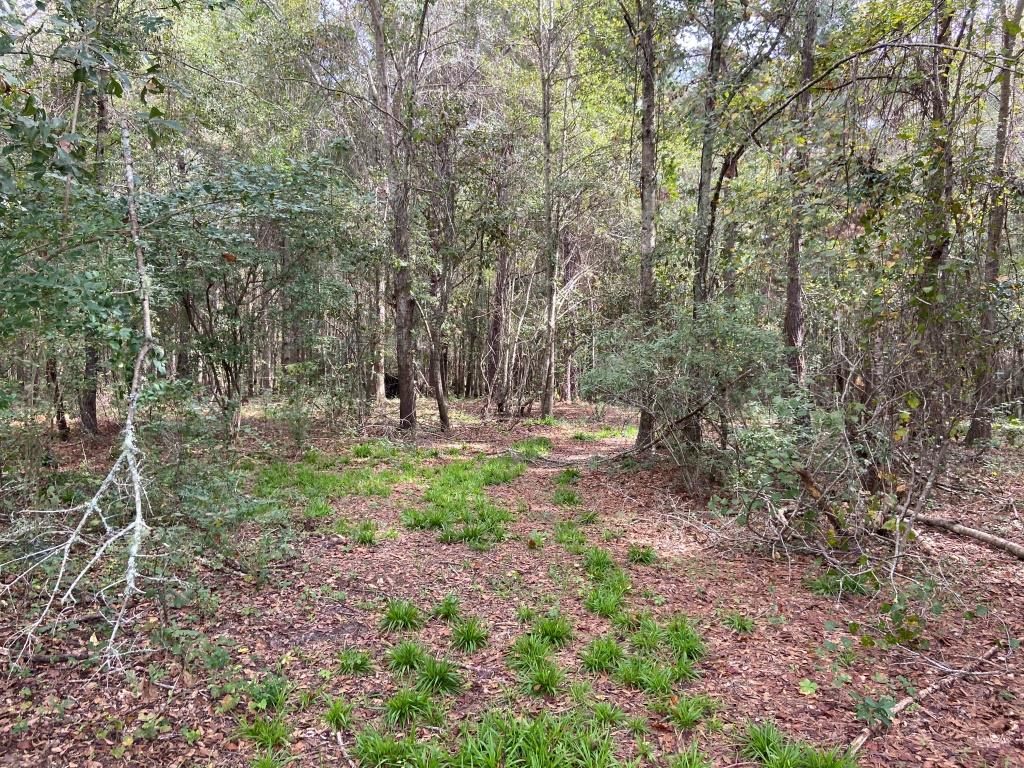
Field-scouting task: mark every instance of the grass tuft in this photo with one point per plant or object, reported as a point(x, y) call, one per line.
point(407, 656)
point(438, 676)
point(352, 661)
point(401, 615)
point(554, 629)
point(602, 654)
point(469, 635)
point(339, 714)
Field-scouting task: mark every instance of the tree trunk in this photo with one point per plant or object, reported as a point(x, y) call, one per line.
point(545, 10)
point(793, 325)
point(405, 310)
point(59, 414)
point(644, 41)
point(981, 423)
point(377, 339)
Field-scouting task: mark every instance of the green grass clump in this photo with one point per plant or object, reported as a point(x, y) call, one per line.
point(687, 711)
point(554, 629)
point(375, 449)
point(761, 741)
point(504, 739)
point(449, 609)
point(641, 555)
point(275, 758)
point(469, 635)
point(339, 714)
point(597, 562)
point(568, 476)
point(269, 694)
point(684, 640)
point(566, 497)
point(604, 599)
point(532, 447)
point(266, 732)
point(401, 615)
point(766, 744)
point(543, 678)
point(407, 656)
point(602, 654)
point(738, 623)
point(408, 706)
point(438, 676)
point(365, 533)
point(691, 757)
point(526, 652)
point(317, 509)
point(568, 534)
point(458, 506)
point(648, 636)
point(352, 661)
point(374, 749)
point(833, 583)
point(607, 713)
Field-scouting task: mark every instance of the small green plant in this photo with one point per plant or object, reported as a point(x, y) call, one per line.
point(874, 711)
point(602, 654)
point(438, 676)
point(352, 661)
point(274, 758)
point(532, 447)
point(339, 714)
point(640, 555)
point(408, 706)
point(266, 732)
point(587, 517)
point(554, 629)
point(527, 651)
point(535, 540)
point(648, 636)
point(525, 614)
point(449, 609)
point(543, 678)
point(687, 711)
point(568, 534)
point(762, 741)
point(607, 713)
point(597, 562)
point(269, 694)
point(738, 623)
point(568, 476)
point(407, 656)
point(401, 615)
point(365, 533)
point(684, 640)
point(469, 635)
point(317, 508)
point(834, 583)
point(691, 757)
point(566, 497)
point(604, 600)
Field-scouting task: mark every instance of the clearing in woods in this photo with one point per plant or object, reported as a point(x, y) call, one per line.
point(512, 595)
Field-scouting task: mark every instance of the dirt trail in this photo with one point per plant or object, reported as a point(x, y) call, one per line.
point(794, 667)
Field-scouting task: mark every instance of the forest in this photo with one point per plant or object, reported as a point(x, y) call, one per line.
point(512, 383)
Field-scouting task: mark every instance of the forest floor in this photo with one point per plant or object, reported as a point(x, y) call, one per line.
point(259, 655)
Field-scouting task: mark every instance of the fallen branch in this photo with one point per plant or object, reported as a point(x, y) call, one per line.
point(859, 742)
point(987, 538)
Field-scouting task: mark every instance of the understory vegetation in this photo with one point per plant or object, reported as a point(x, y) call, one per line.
point(574, 383)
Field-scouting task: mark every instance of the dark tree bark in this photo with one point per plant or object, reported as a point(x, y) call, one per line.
point(643, 36)
point(59, 412)
point(981, 423)
point(793, 325)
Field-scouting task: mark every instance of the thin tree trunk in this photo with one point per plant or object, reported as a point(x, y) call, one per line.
point(644, 42)
point(59, 412)
point(545, 11)
point(379, 390)
point(981, 423)
point(793, 325)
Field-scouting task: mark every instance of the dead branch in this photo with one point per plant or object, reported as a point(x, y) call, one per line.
point(901, 705)
point(996, 542)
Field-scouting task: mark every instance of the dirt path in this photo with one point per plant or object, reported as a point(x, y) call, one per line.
point(775, 649)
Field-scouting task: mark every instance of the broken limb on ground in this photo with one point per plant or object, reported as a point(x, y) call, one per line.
point(387, 602)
